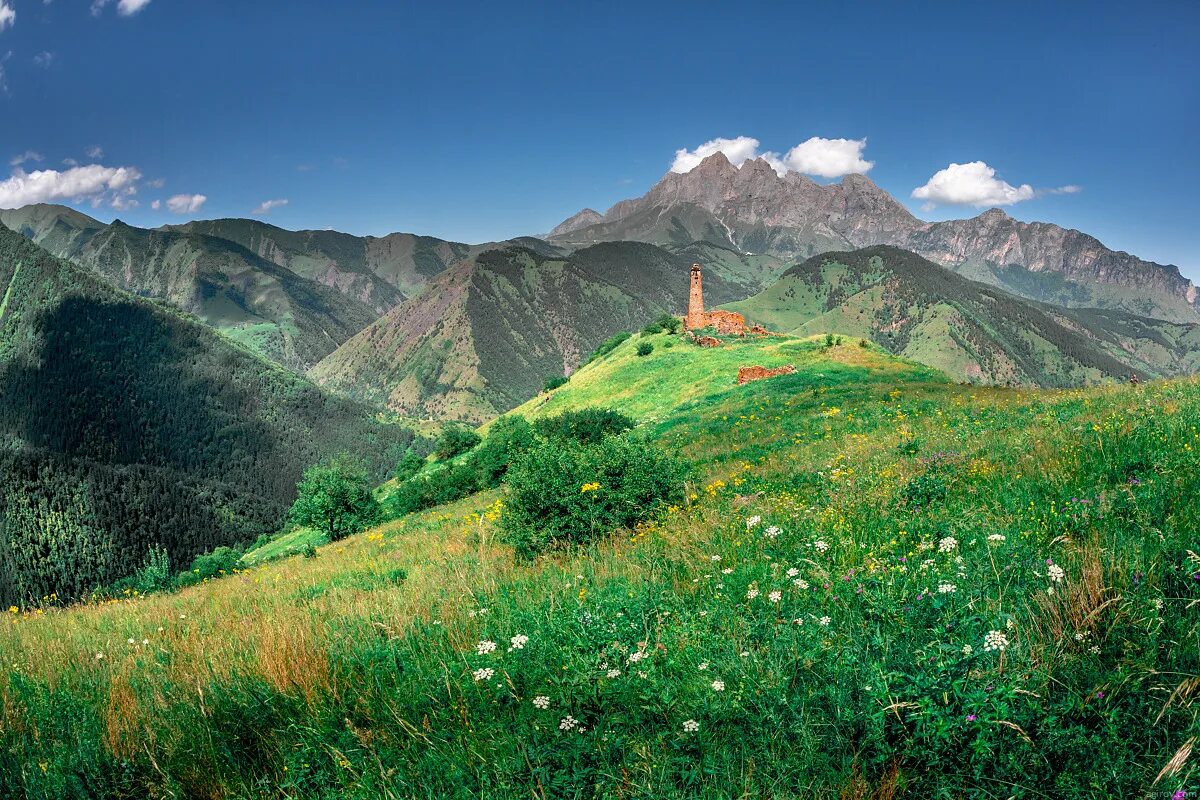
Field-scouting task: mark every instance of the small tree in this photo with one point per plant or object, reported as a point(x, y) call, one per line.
point(335, 498)
point(409, 465)
point(552, 382)
point(669, 323)
point(456, 439)
point(644, 348)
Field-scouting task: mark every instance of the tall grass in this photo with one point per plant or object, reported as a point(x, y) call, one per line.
point(882, 584)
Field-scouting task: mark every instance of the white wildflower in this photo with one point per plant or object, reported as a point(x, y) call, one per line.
point(773, 531)
point(718, 686)
point(483, 674)
point(967, 650)
point(995, 640)
point(484, 647)
point(750, 523)
point(703, 665)
point(947, 588)
point(1055, 572)
point(567, 723)
point(541, 701)
point(947, 545)
point(518, 642)
point(727, 571)
point(751, 593)
point(613, 673)
point(714, 558)
point(825, 621)
point(775, 596)
point(821, 545)
point(793, 572)
point(691, 726)
point(800, 583)
point(996, 537)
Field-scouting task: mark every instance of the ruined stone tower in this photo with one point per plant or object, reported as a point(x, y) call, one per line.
point(695, 314)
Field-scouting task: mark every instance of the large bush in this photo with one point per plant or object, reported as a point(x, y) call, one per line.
point(608, 345)
point(565, 492)
point(455, 440)
point(335, 497)
point(588, 425)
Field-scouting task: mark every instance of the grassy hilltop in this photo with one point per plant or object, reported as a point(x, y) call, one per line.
point(881, 584)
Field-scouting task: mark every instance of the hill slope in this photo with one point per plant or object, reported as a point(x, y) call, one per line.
point(278, 313)
point(753, 209)
point(483, 336)
point(881, 585)
point(125, 425)
point(972, 331)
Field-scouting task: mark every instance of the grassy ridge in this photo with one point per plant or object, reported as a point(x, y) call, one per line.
point(861, 595)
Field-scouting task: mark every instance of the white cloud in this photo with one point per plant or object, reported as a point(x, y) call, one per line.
point(8, 15)
point(185, 203)
point(266, 206)
point(127, 8)
point(28, 155)
point(738, 150)
point(157, 183)
point(973, 184)
point(156, 205)
point(44, 59)
point(92, 182)
point(826, 158)
point(95, 151)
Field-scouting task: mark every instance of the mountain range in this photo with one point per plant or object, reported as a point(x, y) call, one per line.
point(754, 209)
point(126, 425)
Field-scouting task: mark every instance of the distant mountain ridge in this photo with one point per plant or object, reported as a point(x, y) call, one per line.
point(485, 334)
point(754, 209)
point(972, 331)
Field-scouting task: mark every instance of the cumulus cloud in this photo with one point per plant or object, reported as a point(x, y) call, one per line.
point(28, 155)
point(125, 8)
point(265, 206)
point(95, 151)
point(8, 15)
point(156, 205)
point(738, 150)
point(93, 182)
point(971, 184)
point(185, 203)
point(826, 158)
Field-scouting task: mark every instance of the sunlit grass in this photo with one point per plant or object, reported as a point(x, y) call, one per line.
point(806, 575)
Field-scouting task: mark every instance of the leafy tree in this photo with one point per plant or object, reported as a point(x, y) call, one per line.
point(588, 425)
point(456, 439)
point(669, 323)
point(410, 465)
point(644, 348)
point(335, 498)
point(552, 382)
point(508, 438)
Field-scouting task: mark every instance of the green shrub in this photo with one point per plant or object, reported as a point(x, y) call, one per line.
point(669, 323)
point(829, 340)
point(220, 561)
point(552, 382)
point(155, 574)
point(652, 329)
point(335, 497)
point(863, 343)
point(588, 425)
point(608, 345)
point(644, 348)
point(508, 438)
point(568, 493)
point(410, 465)
point(455, 440)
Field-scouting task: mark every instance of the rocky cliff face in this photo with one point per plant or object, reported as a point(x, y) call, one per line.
point(755, 210)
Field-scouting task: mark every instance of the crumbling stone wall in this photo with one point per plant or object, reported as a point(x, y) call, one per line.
point(756, 373)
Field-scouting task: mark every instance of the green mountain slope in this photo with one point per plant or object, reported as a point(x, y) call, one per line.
point(124, 425)
point(972, 331)
point(278, 313)
point(380, 270)
point(483, 336)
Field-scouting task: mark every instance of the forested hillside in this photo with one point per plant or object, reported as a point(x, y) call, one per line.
point(126, 426)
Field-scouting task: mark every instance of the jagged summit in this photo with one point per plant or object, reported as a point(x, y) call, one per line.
point(754, 210)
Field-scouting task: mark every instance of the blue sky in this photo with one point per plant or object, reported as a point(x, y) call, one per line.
point(479, 121)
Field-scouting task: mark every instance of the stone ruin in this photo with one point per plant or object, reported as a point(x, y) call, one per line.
point(727, 323)
point(748, 374)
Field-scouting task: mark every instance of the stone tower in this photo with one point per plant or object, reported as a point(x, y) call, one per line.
point(695, 314)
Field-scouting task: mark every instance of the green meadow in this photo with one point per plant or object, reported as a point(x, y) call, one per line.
point(879, 583)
